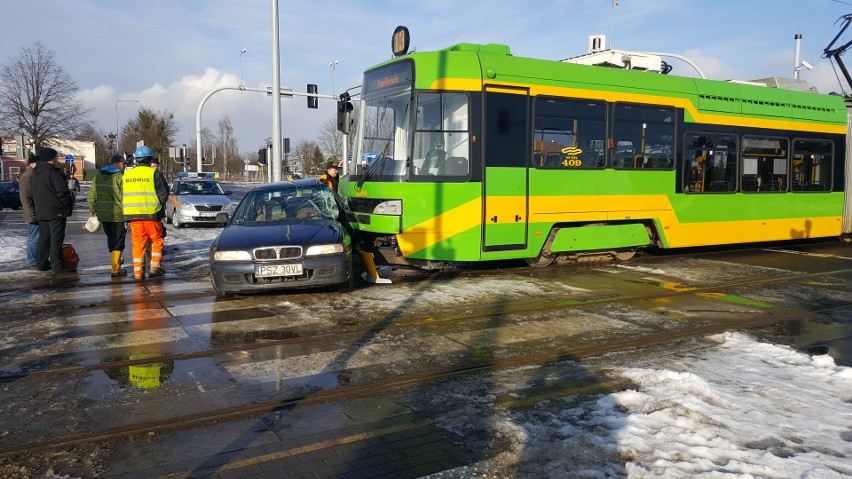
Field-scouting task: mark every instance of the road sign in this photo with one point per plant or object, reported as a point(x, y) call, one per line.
point(69, 159)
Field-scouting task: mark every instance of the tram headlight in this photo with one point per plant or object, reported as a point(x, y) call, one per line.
point(389, 207)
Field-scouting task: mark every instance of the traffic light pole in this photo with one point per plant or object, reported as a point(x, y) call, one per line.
point(284, 92)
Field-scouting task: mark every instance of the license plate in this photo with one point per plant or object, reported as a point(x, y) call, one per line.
point(208, 213)
point(279, 270)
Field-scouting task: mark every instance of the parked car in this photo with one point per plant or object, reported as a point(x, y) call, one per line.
point(284, 235)
point(10, 195)
point(194, 200)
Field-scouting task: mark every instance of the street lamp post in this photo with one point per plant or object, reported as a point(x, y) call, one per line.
point(242, 52)
point(135, 100)
point(333, 65)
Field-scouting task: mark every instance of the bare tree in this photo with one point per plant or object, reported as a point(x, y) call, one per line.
point(331, 139)
point(103, 149)
point(156, 129)
point(227, 152)
point(37, 97)
point(308, 158)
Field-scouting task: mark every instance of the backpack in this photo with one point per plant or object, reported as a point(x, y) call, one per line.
point(69, 257)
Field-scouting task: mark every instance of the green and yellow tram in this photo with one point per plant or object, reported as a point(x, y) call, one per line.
point(473, 154)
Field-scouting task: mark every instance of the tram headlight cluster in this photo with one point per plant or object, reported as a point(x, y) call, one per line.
point(390, 208)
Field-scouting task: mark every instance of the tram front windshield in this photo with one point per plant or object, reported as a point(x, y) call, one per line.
point(385, 124)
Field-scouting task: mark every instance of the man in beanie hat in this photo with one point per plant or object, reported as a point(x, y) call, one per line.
point(105, 202)
point(53, 206)
point(144, 195)
point(25, 183)
point(330, 177)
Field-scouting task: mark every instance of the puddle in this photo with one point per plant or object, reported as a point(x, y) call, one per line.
point(166, 376)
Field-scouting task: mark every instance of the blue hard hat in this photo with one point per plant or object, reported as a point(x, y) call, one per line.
point(142, 152)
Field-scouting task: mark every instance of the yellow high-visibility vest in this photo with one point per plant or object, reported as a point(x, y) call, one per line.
point(140, 194)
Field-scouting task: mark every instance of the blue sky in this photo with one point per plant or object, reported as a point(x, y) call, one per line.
point(170, 53)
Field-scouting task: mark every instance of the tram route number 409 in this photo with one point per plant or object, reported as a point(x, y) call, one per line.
point(278, 270)
point(572, 162)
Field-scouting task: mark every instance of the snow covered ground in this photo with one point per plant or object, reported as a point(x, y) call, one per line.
point(737, 409)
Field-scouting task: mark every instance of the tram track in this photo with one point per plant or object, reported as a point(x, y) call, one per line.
point(387, 385)
point(426, 320)
point(384, 385)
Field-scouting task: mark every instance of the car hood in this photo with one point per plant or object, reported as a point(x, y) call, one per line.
point(283, 233)
point(210, 200)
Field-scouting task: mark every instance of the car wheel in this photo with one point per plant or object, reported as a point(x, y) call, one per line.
point(219, 291)
point(169, 216)
point(176, 222)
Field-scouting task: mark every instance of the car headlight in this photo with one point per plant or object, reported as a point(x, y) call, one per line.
point(186, 207)
point(321, 249)
point(390, 207)
point(232, 256)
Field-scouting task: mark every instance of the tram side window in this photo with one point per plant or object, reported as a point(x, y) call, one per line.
point(441, 136)
point(812, 165)
point(709, 163)
point(765, 164)
point(643, 136)
point(569, 134)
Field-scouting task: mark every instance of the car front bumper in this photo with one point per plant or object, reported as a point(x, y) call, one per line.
point(239, 276)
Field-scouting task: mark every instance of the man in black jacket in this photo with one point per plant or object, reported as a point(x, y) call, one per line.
point(53, 206)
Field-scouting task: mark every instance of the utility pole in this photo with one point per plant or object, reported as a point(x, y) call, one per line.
point(276, 98)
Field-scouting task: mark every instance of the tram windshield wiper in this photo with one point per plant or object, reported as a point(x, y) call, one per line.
point(377, 165)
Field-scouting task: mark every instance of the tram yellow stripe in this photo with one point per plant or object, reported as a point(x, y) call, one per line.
point(546, 210)
point(612, 96)
point(440, 228)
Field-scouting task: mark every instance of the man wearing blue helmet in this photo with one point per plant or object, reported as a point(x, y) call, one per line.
point(145, 192)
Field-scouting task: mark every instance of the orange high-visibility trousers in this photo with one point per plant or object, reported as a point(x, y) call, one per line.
point(140, 232)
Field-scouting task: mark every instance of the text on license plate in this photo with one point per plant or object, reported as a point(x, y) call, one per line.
point(278, 270)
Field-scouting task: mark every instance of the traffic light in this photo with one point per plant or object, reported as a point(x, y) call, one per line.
point(344, 112)
point(313, 102)
point(261, 156)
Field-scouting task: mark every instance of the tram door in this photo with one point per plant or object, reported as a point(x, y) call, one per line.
point(505, 181)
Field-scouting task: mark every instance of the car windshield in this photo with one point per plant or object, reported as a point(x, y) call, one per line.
point(291, 203)
point(199, 188)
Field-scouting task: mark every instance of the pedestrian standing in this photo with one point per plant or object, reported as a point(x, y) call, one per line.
point(155, 164)
point(73, 186)
point(330, 177)
point(53, 206)
point(25, 185)
point(145, 192)
point(105, 202)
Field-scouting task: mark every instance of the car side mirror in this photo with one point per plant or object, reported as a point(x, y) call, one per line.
point(229, 192)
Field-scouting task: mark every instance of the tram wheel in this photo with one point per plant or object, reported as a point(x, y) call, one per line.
point(625, 255)
point(541, 260)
